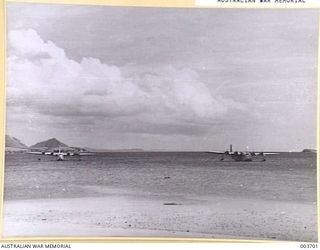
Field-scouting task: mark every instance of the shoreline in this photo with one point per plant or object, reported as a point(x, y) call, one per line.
point(136, 216)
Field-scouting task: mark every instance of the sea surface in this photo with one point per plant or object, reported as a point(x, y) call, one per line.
point(283, 177)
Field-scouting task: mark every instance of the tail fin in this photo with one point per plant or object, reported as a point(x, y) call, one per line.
point(230, 147)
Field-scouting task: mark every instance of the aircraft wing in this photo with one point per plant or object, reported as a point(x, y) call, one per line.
point(265, 153)
point(216, 152)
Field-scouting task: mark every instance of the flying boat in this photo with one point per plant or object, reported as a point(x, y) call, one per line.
point(242, 155)
point(60, 153)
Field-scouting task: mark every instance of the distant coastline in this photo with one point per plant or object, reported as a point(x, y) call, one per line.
point(14, 145)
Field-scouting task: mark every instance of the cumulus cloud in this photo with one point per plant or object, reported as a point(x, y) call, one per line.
point(44, 80)
point(157, 86)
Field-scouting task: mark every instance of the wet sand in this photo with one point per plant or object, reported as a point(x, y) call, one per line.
point(140, 215)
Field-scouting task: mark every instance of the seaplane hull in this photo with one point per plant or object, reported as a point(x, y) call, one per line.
point(241, 157)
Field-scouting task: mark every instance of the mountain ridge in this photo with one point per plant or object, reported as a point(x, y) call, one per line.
point(13, 142)
point(50, 143)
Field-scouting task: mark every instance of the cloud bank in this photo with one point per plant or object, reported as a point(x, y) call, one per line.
point(176, 79)
point(44, 81)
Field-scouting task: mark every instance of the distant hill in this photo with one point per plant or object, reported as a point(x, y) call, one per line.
point(307, 150)
point(12, 142)
point(51, 143)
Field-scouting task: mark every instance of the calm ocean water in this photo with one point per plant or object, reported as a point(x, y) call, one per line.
point(288, 176)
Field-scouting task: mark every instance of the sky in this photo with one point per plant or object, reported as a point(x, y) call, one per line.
point(162, 78)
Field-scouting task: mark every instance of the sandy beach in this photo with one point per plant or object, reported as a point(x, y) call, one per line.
point(138, 215)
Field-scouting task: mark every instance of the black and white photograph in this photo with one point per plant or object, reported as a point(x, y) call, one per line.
point(161, 122)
